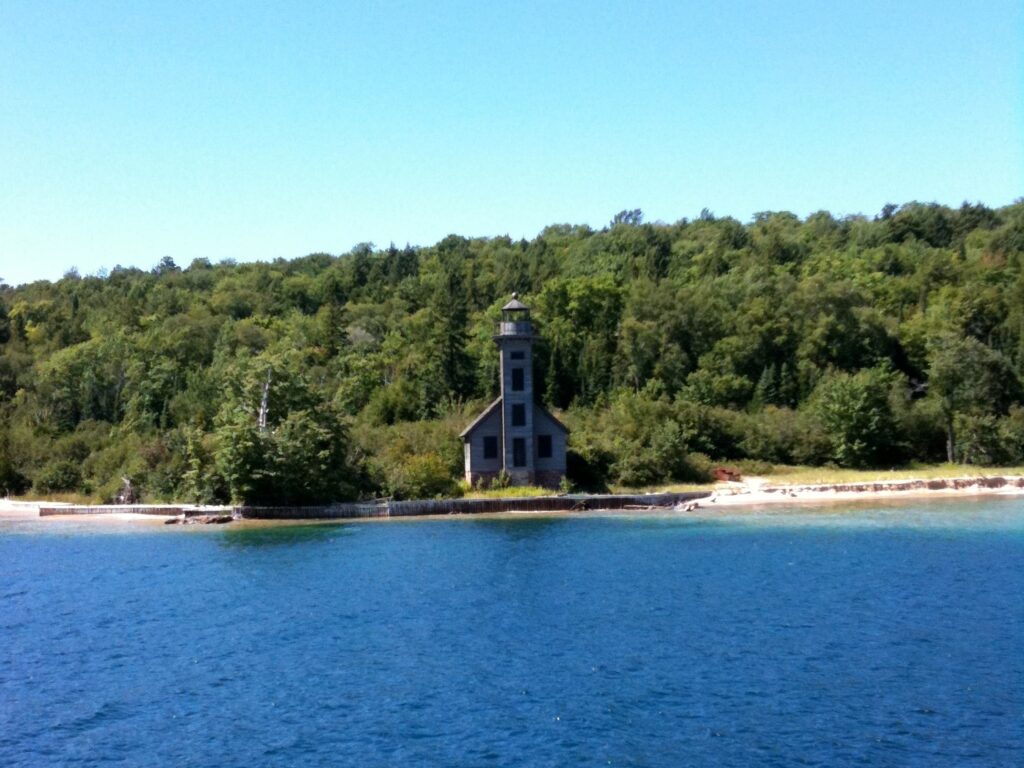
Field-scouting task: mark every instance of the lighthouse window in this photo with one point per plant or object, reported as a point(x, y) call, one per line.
point(543, 446)
point(520, 355)
point(490, 447)
point(517, 379)
point(518, 415)
point(519, 452)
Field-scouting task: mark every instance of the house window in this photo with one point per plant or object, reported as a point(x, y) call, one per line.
point(517, 380)
point(519, 355)
point(518, 415)
point(543, 446)
point(490, 446)
point(519, 452)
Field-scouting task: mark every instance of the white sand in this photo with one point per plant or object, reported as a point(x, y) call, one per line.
point(24, 510)
point(18, 510)
point(759, 491)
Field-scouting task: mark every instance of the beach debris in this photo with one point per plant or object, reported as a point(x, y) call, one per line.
point(727, 475)
point(199, 520)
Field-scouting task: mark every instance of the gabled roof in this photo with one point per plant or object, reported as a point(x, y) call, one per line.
point(551, 416)
point(515, 304)
point(476, 422)
point(496, 405)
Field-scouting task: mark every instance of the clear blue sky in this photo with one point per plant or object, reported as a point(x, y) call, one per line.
point(251, 130)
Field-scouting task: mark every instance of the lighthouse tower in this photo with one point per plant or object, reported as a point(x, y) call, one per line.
point(515, 343)
point(514, 434)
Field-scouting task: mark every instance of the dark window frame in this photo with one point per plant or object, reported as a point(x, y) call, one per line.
point(490, 446)
point(544, 447)
point(518, 451)
point(518, 379)
point(518, 415)
point(518, 355)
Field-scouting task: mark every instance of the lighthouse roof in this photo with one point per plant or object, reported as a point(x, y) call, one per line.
point(515, 304)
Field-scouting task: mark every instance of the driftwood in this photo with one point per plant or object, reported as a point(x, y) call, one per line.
point(200, 520)
point(127, 494)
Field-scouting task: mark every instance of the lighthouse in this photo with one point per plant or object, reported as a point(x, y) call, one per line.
point(515, 434)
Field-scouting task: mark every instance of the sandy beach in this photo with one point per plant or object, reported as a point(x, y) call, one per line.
point(28, 510)
point(756, 492)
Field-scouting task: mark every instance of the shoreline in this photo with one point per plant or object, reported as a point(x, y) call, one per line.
point(758, 492)
point(736, 497)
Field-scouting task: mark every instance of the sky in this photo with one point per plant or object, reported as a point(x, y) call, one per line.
point(253, 130)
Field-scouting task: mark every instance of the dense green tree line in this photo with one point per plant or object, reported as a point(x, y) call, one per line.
point(855, 341)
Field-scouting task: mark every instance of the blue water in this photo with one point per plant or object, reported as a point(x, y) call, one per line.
point(859, 636)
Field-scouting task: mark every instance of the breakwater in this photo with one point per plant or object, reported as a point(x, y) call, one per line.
point(162, 510)
point(424, 507)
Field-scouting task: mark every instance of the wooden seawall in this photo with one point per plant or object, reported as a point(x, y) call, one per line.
point(163, 510)
point(574, 503)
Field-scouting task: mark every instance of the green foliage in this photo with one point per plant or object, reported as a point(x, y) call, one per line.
point(778, 435)
point(62, 475)
point(12, 481)
point(857, 416)
point(979, 440)
point(1011, 435)
point(409, 460)
point(422, 476)
point(971, 381)
point(634, 440)
point(399, 401)
point(303, 459)
point(849, 340)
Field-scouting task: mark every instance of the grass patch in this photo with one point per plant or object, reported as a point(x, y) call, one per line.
point(68, 497)
point(820, 475)
point(512, 492)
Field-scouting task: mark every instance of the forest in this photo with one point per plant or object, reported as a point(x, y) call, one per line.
point(665, 348)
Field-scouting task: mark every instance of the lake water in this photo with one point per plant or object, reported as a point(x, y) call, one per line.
point(850, 636)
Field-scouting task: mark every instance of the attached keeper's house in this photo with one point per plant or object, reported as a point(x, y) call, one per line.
point(514, 433)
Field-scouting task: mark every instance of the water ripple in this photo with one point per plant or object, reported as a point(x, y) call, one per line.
point(874, 636)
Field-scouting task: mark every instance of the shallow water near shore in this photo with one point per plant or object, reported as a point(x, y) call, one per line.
point(867, 633)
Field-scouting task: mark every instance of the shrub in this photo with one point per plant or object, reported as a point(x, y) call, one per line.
point(700, 468)
point(58, 476)
point(392, 449)
point(423, 476)
point(922, 425)
point(397, 402)
point(754, 467)
point(978, 439)
point(1011, 435)
point(12, 482)
point(771, 434)
point(857, 414)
